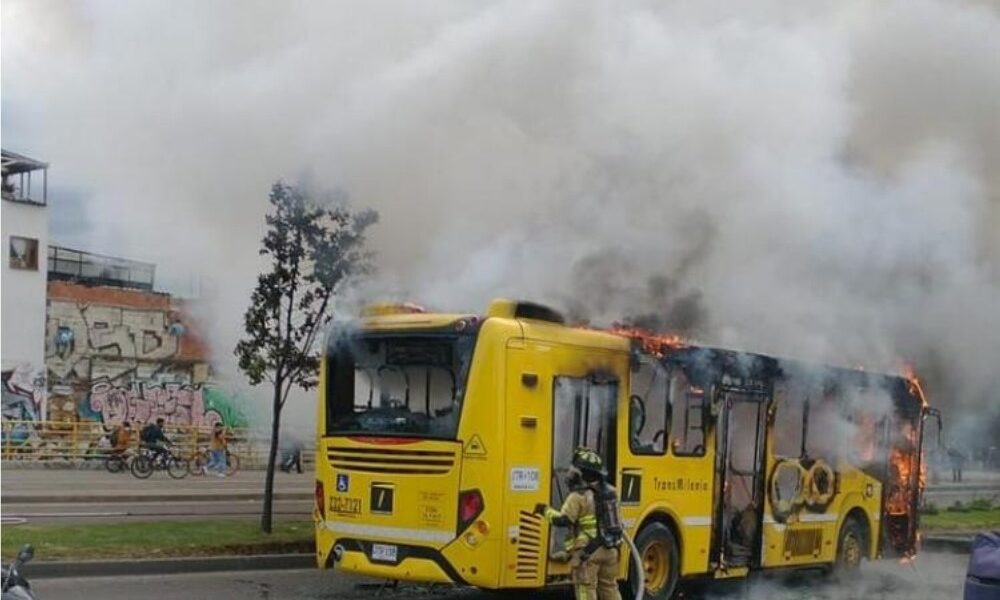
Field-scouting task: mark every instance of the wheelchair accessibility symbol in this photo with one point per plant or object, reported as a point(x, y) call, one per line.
point(342, 482)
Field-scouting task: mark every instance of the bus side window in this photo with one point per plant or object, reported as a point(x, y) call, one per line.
point(648, 409)
point(687, 426)
point(790, 401)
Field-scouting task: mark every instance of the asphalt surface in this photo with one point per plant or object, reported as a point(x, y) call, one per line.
point(84, 483)
point(92, 496)
point(933, 577)
point(116, 512)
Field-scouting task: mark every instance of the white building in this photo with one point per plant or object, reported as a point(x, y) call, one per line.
point(25, 228)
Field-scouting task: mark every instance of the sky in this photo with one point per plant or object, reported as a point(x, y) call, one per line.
point(814, 180)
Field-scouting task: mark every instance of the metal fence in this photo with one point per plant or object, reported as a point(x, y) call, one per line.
point(76, 265)
point(84, 443)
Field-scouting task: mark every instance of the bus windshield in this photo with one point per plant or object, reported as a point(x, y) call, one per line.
point(410, 385)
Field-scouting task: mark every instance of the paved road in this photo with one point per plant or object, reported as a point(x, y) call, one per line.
point(936, 576)
point(80, 496)
point(112, 512)
point(71, 483)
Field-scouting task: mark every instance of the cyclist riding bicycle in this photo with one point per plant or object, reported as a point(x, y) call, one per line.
point(153, 439)
point(121, 436)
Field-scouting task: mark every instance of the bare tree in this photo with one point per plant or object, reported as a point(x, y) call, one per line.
point(316, 248)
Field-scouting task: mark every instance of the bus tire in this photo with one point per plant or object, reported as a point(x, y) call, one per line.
point(851, 544)
point(660, 562)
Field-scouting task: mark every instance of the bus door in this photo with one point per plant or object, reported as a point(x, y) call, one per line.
point(583, 414)
point(739, 501)
point(537, 456)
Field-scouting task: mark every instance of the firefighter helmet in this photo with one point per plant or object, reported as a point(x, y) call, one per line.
point(588, 462)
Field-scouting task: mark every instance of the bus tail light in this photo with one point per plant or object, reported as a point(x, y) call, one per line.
point(320, 500)
point(470, 506)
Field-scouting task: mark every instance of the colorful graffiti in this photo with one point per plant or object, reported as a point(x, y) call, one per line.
point(23, 394)
point(111, 364)
point(176, 403)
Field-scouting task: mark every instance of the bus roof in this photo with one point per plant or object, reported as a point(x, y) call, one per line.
point(543, 323)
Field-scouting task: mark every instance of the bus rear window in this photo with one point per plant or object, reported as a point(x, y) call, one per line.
point(406, 385)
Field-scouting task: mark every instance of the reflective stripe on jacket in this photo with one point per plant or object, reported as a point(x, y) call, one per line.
point(579, 510)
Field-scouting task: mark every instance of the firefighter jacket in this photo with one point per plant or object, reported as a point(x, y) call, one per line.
point(579, 514)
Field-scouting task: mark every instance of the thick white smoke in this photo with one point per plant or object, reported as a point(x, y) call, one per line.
point(810, 180)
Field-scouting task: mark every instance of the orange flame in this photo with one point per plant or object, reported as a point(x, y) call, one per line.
point(913, 381)
point(656, 344)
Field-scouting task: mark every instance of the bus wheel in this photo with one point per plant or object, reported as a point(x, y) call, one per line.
point(850, 546)
point(660, 563)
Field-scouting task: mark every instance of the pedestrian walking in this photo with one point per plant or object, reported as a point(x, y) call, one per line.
point(217, 451)
point(957, 459)
point(291, 454)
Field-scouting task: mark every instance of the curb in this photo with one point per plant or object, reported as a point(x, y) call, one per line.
point(975, 488)
point(113, 498)
point(167, 566)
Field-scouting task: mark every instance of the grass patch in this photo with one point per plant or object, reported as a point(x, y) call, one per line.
point(156, 540)
point(970, 520)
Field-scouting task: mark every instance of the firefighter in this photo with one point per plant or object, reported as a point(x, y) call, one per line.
point(593, 544)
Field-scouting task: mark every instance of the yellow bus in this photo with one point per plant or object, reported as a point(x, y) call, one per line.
point(438, 434)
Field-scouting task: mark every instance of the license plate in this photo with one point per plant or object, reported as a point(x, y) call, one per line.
point(345, 506)
point(384, 552)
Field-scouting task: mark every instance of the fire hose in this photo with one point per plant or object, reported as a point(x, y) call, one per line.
point(639, 576)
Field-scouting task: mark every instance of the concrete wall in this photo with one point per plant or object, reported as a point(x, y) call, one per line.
point(23, 314)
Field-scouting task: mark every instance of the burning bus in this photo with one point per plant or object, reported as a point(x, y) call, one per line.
point(438, 434)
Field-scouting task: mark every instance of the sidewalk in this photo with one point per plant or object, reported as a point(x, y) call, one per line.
point(22, 486)
point(969, 479)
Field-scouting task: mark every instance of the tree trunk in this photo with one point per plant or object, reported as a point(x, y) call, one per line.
point(266, 513)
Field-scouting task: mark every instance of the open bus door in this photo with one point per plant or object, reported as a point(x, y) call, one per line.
point(905, 476)
point(739, 472)
point(538, 449)
point(583, 414)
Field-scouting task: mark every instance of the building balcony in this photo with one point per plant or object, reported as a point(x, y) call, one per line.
point(78, 266)
point(17, 179)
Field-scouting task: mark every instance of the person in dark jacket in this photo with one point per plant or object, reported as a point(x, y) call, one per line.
point(291, 454)
point(152, 438)
point(957, 458)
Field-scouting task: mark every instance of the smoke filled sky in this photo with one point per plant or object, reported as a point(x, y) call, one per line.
point(814, 180)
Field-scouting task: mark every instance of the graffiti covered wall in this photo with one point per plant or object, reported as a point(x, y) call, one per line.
point(23, 393)
point(115, 354)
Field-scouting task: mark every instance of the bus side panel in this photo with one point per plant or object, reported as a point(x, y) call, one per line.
point(528, 421)
point(322, 473)
point(476, 554)
point(687, 483)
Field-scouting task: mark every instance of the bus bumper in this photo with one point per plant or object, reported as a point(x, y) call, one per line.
point(416, 563)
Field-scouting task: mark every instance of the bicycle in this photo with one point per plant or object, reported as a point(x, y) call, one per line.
point(148, 461)
point(116, 462)
point(202, 457)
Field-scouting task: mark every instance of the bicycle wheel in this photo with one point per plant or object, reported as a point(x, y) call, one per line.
point(142, 467)
point(232, 464)
point(177, 467)
point(114, 463)
point(196, 466)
